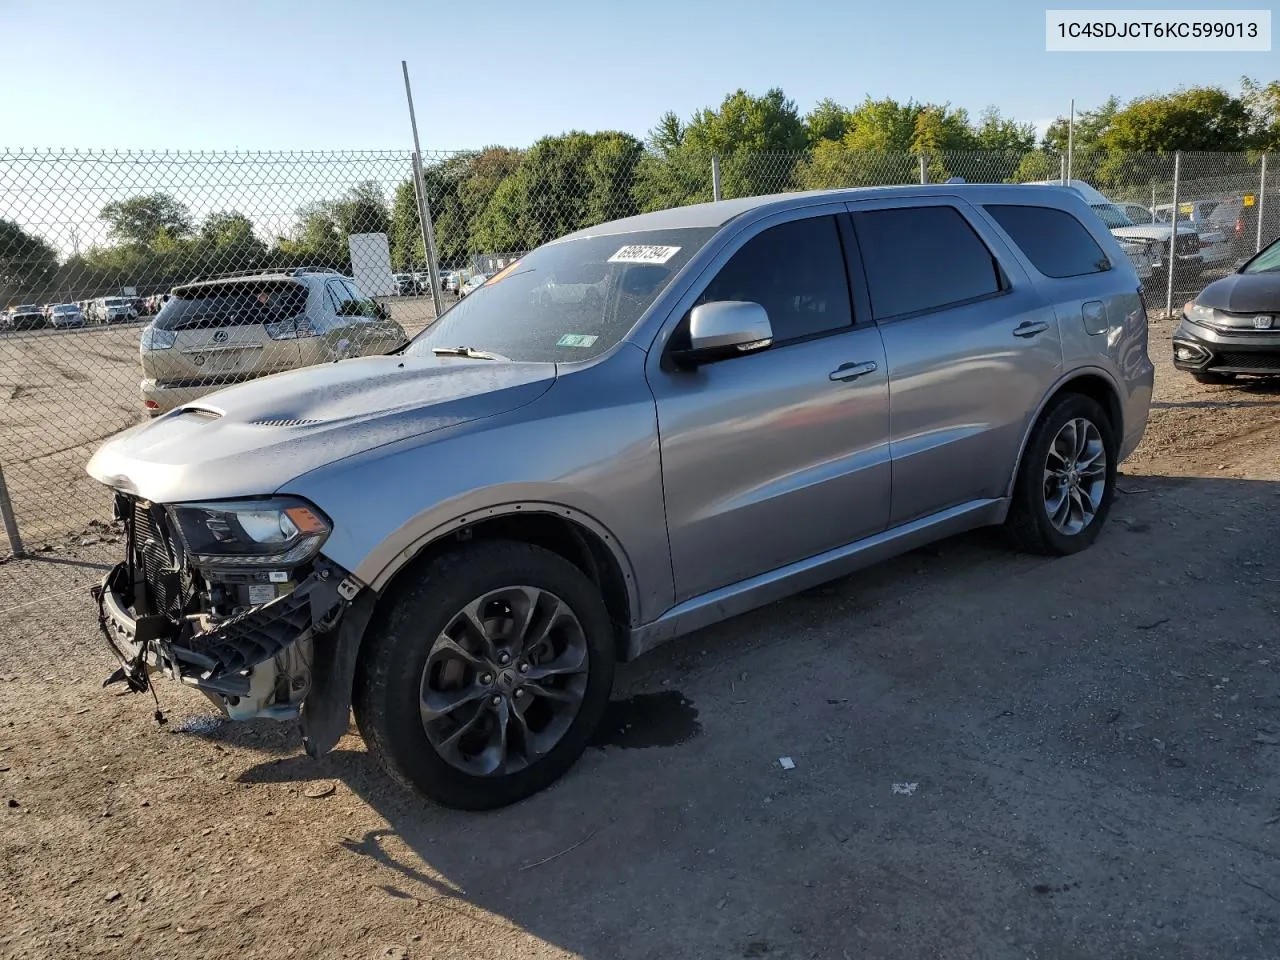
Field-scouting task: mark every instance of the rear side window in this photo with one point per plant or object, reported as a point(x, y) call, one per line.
point(1054, 241)
point(232, 304)
point(923, 258)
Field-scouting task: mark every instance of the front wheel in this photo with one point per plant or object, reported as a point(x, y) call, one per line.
point(484, 680)
point(1066, 481)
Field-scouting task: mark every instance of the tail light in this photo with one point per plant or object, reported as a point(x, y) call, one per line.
point(1239, 225)
point(295, 328)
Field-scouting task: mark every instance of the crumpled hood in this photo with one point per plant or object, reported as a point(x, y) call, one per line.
point(1243, 293)
point(253, 438)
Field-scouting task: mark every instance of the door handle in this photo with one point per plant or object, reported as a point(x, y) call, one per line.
point(852, 371)
point(1030, 328)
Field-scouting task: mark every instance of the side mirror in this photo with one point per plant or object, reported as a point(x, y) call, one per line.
point(724, 329)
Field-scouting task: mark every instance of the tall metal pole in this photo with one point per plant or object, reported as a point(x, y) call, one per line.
point(1262, 203)
point(424, 206)
point(1071, 138)
point(924, 169)
point(1062, 163)
point(716, 193)
point(10, 521)
point(1173, 233)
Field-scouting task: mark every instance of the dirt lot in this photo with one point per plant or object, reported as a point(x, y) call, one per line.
point(995, 756)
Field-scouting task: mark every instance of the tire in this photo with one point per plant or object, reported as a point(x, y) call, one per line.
point(1212, 379)
point(1030, 522)
point(393, 683)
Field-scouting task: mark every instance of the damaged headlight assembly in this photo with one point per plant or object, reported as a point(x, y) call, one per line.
point(226, 595)
point(281, 532)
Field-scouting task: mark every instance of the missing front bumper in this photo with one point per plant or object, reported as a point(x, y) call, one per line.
point(222, 658)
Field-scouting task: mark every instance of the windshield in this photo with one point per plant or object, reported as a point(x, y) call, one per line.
point(1268, 261)
point(1111, 215)
point(565, 301)
point(117, 302)
point(66, 308)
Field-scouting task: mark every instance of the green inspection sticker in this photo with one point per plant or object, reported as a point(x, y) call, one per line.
point(576, 340)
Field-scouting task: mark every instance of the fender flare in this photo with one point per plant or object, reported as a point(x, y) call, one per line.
point(1076, 373)
point(421, 541)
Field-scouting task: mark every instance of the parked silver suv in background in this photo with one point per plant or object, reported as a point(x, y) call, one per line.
point(461, 539)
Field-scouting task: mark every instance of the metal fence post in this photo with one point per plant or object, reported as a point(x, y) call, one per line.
point(1173, 234)
point(1062, 162)
point(10, 521)
point(924, 169)
point(424, 205)
point(1262, 203)
point(1071, 141)
point(715, 178)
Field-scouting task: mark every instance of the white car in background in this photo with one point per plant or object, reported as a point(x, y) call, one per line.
point(1214, 248)
point(1144, 255)
point(473, 283)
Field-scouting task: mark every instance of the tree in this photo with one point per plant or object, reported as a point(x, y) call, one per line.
point(668, 136)
point(227, 240)
point(826, 121)
point(140, 219)
point(1090, 125)
point(27, 263)
point(1198, 118)
point(994, 132)
point(362, 210)
point(741, 131)
point(743, 122)
point(1263, 104)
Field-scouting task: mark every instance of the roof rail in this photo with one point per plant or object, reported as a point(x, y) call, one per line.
point(264, 271)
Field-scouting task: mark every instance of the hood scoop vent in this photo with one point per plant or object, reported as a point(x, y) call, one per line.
point(283, 422)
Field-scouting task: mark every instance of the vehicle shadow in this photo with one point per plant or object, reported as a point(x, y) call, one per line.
point(989, 749)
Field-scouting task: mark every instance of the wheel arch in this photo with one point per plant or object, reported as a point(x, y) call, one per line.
point(1093, 382)
point(577, 537)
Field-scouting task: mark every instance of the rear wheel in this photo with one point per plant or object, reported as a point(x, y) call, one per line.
point(484, 680)
point(1066, 481)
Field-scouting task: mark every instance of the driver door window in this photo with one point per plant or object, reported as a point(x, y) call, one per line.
point(795, 271)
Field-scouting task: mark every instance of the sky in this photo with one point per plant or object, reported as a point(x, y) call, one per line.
point(280, 74)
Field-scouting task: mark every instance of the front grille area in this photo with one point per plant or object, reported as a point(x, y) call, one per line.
point(1238, 360)
point(168, 588)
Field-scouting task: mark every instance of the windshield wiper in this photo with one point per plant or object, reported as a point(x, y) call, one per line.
point(468, 352)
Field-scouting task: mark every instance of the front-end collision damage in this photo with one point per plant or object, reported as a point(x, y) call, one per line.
point(263, 660)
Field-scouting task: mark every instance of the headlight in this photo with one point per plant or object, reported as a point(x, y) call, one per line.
point(282, 532)
point(153, 339)
point(1198, 314)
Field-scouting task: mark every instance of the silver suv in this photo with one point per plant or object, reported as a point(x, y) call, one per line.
point(462, 538)
point(213, 333)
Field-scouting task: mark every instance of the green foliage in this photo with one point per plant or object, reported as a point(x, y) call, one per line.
point(1263, 104)
point(27, 263)
point(828, 120)
point(1199, 118)
point(141, 219)
point(667, 136)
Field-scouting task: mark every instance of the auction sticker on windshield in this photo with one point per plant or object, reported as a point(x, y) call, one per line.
point(576, 340)
point(644, 253)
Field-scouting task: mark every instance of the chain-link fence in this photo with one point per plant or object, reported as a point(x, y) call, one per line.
point(137, 281)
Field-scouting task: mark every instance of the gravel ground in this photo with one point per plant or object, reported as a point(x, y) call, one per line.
point(996, 756)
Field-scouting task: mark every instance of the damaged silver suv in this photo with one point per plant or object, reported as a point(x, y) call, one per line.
point(628, 434)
